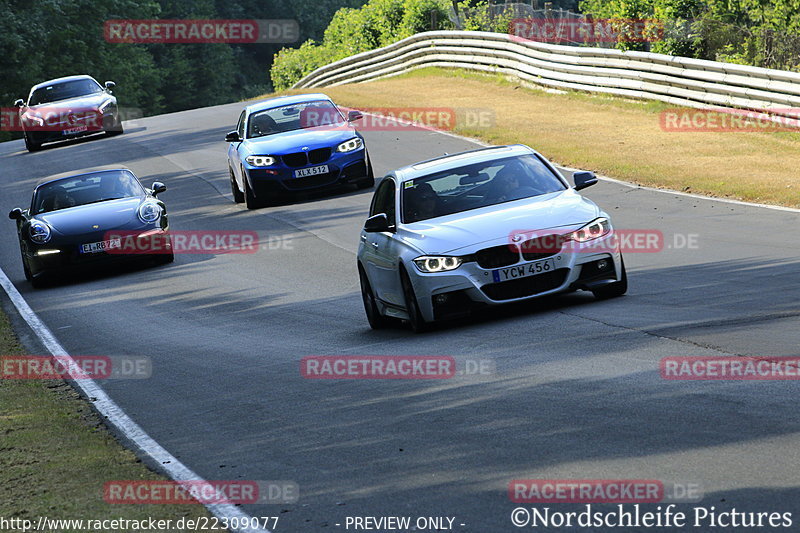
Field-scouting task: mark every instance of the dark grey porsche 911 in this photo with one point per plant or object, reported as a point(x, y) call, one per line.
point(81, 220)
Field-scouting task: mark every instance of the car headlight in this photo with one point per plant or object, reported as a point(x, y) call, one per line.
point(149, 212)
point(593, 230)
point(260, 160)
point(105, 106)
point(39, 232)
point(349, 146)
point(34, 119)
point(437, 263)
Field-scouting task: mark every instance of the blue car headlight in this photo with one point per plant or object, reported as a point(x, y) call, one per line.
point(351, 145)
point(39, 232)
point(260, 160)
point(149, 212)
point(436, 263)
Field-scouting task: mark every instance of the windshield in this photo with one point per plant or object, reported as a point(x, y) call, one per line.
point(294, 117)
point(63, 91)
point(477, 185)
point(86, 189)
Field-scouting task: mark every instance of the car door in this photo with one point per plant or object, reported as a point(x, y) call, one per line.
point(380, 248)
point(234, 158)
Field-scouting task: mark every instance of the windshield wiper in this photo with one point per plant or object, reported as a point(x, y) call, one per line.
point(104, 200)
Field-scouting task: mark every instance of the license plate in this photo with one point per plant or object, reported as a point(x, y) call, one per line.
point(76, 129)
point(523, 271)
point(313, 171)
point(102, 246)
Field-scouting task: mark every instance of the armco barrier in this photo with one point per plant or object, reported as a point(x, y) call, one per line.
point(672, 79)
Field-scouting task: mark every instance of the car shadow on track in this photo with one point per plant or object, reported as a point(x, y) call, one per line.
point(734, 291)
point(102, 272)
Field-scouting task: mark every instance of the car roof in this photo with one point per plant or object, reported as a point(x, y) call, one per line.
point(73, 174)
point(285, 100)
point(61, 80)
point(447, 161)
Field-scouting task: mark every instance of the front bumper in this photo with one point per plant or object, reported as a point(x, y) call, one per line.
point(343, 169)
point(60, 132)
point(455, 293)
point(69, 259)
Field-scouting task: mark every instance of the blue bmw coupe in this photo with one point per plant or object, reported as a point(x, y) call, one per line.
point(295, 144)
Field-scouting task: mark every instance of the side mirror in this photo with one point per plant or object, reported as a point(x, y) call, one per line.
point(354, 115)
point(377, 224)
point(19, 102)
point(232, 137)
point(15, 214)
point(158, 188)
point(584, 179)
point(110, 85)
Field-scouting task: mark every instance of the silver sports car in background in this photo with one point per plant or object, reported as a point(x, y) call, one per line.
point(484, 227)
point(66, 108)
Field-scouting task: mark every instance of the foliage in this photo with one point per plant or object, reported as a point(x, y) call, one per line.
point(752, 32)
point(351, 31)
point(47, 39)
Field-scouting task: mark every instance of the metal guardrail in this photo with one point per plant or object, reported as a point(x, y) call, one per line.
point(643, 75)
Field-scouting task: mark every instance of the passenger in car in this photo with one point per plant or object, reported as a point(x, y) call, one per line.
point(59, 199)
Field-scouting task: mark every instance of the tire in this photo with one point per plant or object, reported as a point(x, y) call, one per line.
point(415, 318)
point(31, 145)
point(613, 290)
point(374, 317)
point(249, 198)
point(238, 196)
point(369, 181)
point(165, 259)
point(26, 269)
point(40, 281)
point(115, 128)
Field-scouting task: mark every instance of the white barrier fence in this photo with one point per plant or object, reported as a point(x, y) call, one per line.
point(675, 80)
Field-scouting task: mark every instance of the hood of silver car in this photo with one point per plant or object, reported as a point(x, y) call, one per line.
point(465, 232)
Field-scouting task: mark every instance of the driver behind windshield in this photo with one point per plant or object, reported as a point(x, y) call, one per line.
point(62, 199)
point(263, 124)
point(423, 202)
point(511, 183)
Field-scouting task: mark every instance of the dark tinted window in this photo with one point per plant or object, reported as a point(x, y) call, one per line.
point(384, 200)
point(477, 185)
point(240, 125)
point(86, 189)
point(294, 117)
point(64, 90)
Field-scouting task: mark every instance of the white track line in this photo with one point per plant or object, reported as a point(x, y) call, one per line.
point(604, 178)
point(113, 413)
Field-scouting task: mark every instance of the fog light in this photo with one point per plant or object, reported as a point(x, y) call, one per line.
point(441, 299)
point(602, 264)
point(47, 252)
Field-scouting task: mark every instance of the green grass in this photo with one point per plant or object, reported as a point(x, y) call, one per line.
point(56, 454)
point(614, 136)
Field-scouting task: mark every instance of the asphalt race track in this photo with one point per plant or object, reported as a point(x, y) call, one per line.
point(576, 391)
